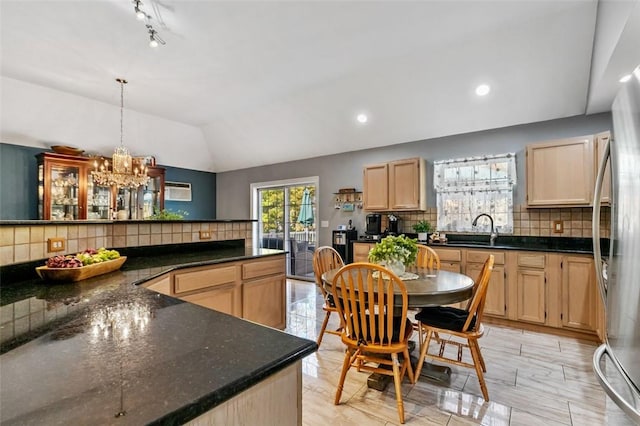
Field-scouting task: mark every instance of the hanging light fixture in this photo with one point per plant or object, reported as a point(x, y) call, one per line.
point(154, 38)
point(123, 171)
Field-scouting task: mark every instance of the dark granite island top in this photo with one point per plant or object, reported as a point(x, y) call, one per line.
point(105, 351)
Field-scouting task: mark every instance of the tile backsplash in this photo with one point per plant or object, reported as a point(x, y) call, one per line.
point(24, 243)
point(576, 221)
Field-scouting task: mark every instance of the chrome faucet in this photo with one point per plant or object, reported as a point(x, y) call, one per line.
point(494, 233)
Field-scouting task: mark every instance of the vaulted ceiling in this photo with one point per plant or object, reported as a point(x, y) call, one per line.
point(241, 84)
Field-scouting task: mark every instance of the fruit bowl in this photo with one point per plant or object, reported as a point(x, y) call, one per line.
point(80, 273)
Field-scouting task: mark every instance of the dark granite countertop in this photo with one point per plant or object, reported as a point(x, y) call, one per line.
point(81, 353)
point(526, 243)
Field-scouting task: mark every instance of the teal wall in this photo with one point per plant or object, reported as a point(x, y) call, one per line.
point(18, 182)
point(19, 186)
point(203, 193)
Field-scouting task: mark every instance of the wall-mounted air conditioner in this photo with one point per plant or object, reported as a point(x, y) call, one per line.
point(177, 191)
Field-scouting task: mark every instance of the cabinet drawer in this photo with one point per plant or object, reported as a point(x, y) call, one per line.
point(531, 260)
point(263, 268)
point(449, 255)
point(480, 256)
point(202, 278)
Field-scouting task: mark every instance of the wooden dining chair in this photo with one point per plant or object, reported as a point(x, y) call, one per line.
point(376, 326)
point(326, 258)
point(464, 324)
point(427, 257)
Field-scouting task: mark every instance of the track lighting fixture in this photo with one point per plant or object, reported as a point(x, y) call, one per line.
point(154, 38)
point(141, 15)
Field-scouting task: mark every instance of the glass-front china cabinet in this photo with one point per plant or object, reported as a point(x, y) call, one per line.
point(144, 201)
point(62, 187)
point(67, 191)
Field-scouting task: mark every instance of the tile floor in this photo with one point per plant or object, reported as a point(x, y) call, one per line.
point(533, 379)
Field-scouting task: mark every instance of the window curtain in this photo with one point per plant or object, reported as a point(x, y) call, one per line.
point(466, 187)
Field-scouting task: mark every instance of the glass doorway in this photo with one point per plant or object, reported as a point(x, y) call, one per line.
point(287, 216)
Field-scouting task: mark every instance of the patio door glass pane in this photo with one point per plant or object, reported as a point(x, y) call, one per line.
point(287, 222)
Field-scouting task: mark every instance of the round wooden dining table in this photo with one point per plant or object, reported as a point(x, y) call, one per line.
point(431, 288)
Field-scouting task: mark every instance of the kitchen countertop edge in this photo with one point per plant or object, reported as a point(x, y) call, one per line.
point(296, 348)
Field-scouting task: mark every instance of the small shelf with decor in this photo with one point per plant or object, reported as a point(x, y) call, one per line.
point(348, 199)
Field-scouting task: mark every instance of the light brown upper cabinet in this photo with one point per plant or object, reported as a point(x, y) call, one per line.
point(376, 188)
point(397, 185)
point(601, 140)
point(561, 172)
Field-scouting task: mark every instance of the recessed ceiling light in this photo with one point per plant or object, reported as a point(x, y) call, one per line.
point(362, 118)
point(482, 89)
point(625, 78)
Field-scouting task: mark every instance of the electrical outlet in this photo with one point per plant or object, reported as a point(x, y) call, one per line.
point(205, 235)
point(558, 227)
point(55, 244)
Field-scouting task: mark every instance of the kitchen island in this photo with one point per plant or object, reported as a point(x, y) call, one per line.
point(106, 351)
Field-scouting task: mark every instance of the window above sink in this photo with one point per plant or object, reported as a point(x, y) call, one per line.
point(466, 187)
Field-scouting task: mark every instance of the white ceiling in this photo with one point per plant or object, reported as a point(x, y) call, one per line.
point(241, 84)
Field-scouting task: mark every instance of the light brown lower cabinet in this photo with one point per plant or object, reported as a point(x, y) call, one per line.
point(361, 251)
point(529, 284)
point(253, 289)
point(579, 293)
point(224, 298)
point(277, 400)
point(450, 259)
point(263, 301)
point(496, 300)
point(532, 296)
point(543, 291)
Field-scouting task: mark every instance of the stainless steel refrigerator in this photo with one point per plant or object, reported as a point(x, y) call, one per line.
point(617, 362)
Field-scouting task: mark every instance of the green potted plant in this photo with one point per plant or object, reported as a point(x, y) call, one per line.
point(394, 252)
point(422, 228)
point(167, 214)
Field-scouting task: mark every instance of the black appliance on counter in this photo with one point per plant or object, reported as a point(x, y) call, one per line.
point(394, 225)
point(343, 243)
point(373, 228)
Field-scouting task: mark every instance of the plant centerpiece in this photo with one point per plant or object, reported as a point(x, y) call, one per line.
point(167, 214)
point(394, 252)
point(422, 228)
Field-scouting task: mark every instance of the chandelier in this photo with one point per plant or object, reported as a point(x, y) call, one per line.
point(123, 171)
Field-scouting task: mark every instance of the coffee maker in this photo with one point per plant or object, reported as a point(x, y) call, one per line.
point(373, 227)
point(394, 225)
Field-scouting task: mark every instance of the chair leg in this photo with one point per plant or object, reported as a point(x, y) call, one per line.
point(324, 327)
point(396, 379)
point(484, 368)
point(475, 354)
point(346, 364)
point(424, 347)
point(407, 360)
